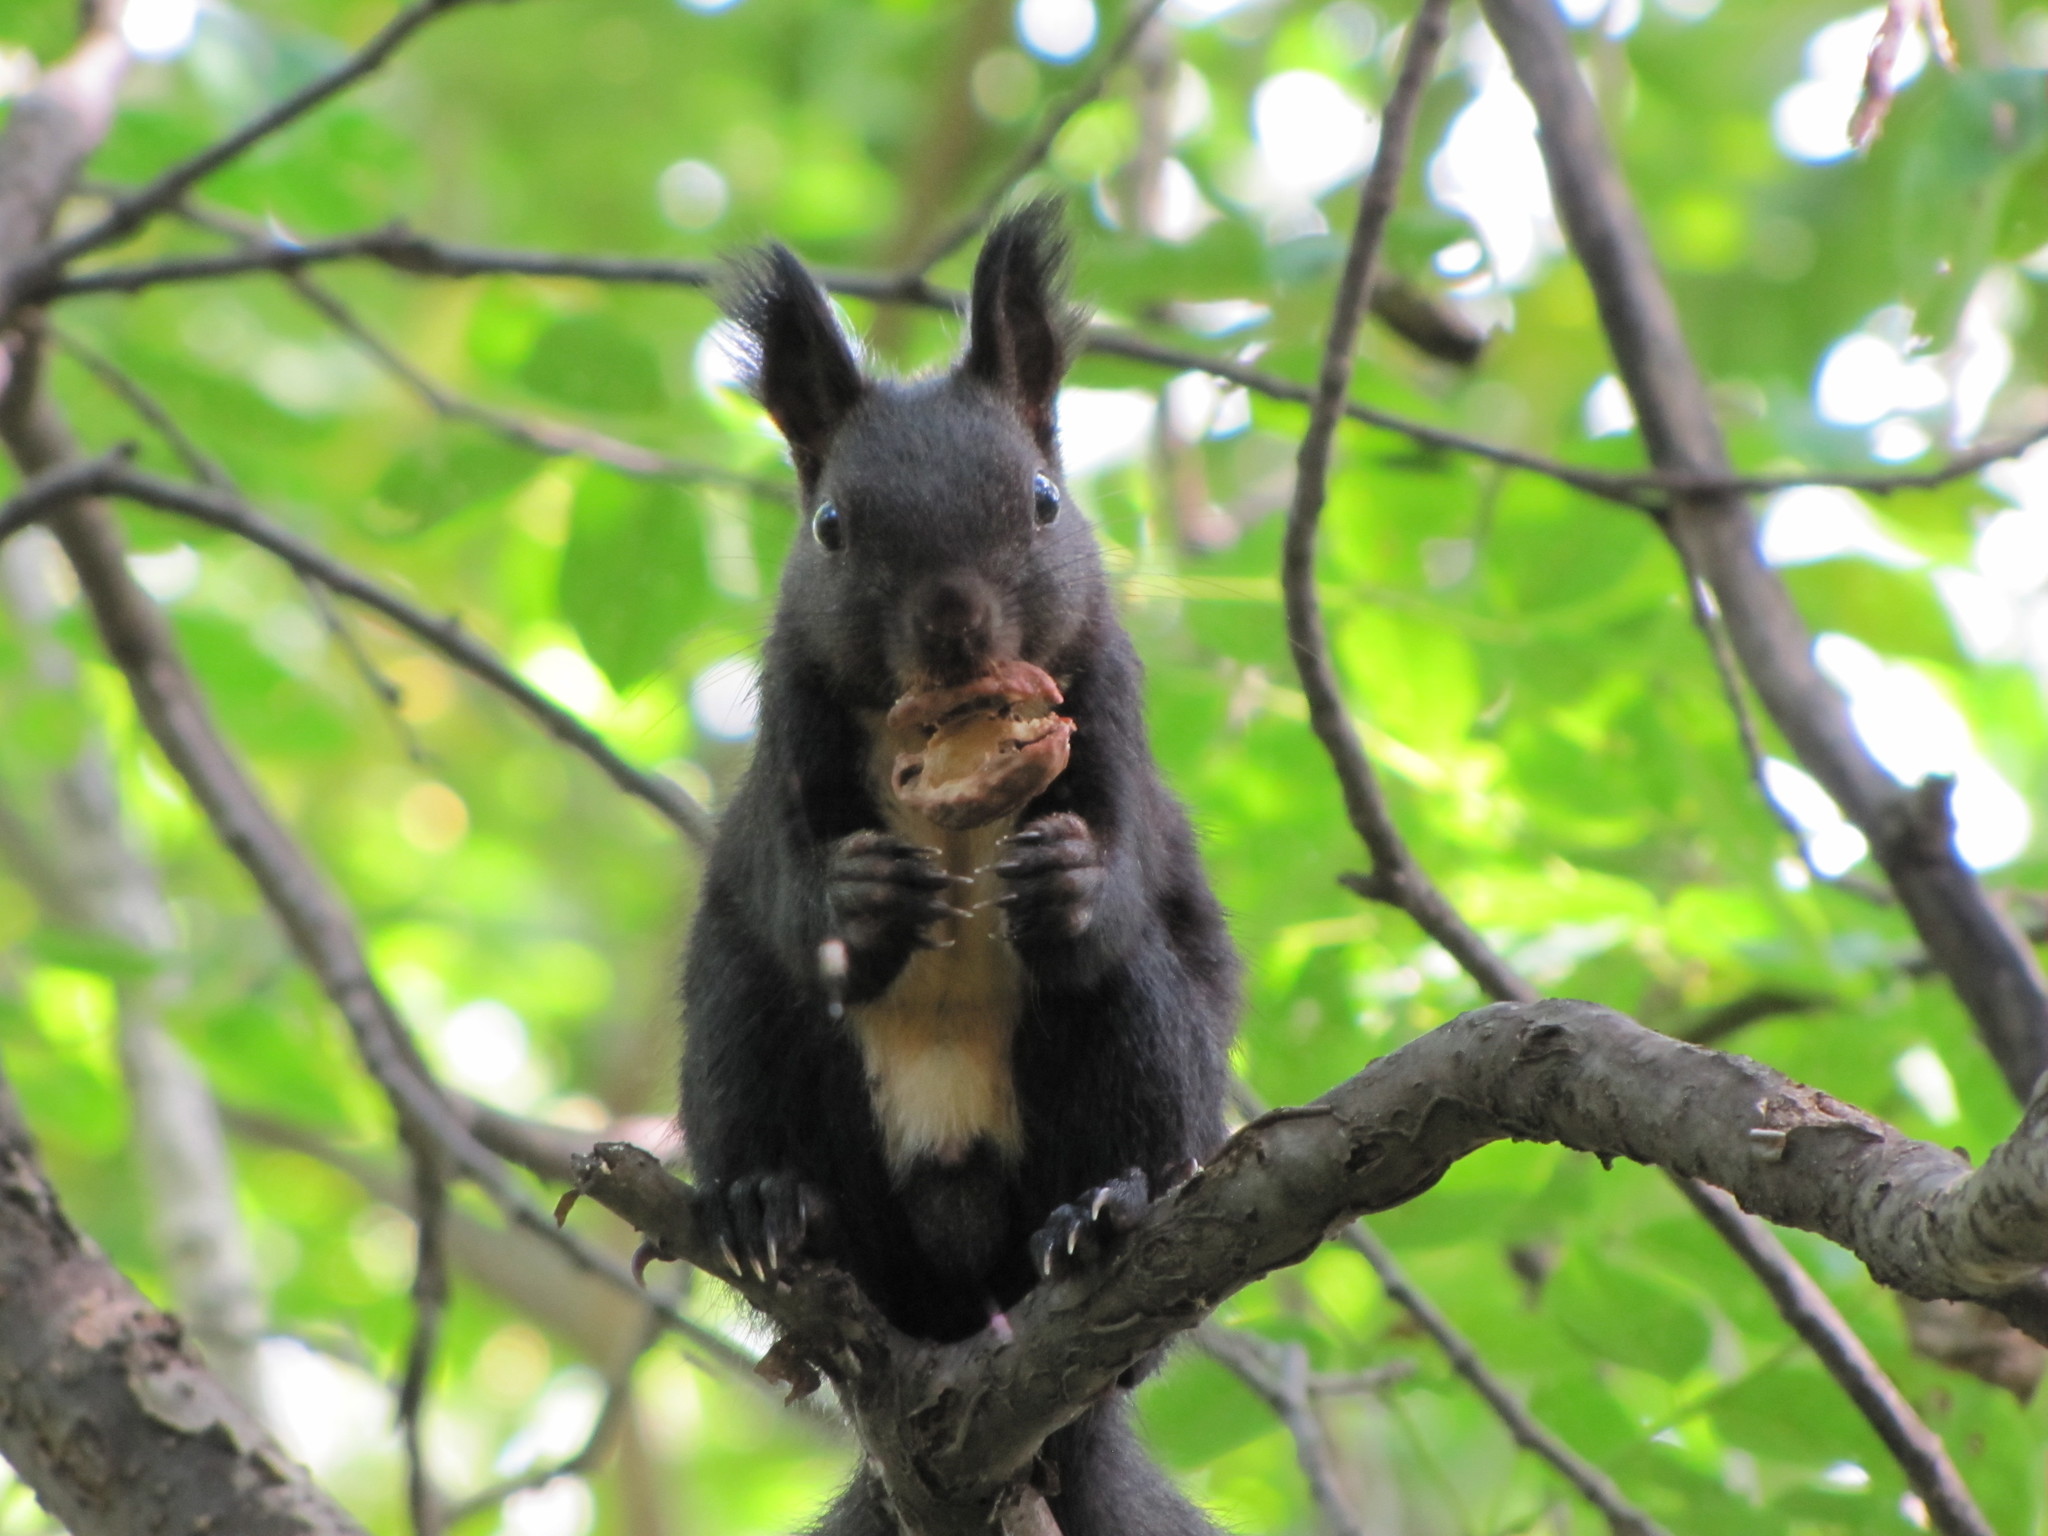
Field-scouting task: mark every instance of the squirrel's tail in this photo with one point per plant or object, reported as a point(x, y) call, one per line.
point(1108, 1487)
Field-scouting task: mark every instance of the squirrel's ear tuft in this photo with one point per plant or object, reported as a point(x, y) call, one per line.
point(1021, 330)
point(796, 360)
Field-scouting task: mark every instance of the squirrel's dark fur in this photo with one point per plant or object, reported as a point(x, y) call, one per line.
point(948, 1061)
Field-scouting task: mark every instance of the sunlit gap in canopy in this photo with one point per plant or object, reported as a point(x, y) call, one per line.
point(159, 29)
point(1489, 171)
point(1902, 715)
point(1811, 120)
point(1056, 30)
point(1882, 377)
point(1309, 136)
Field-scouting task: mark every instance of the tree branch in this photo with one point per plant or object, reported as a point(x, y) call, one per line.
point(1993, 971)
point(1593, 1485)
point(552, 439)
point(952, 1425)
point(108, 1414)
point(109, 476)
point(139, 640)
point(1279, 1375)
point(130, 212)
point(403, 250)
point(1915, 1447)
point(1034, 149)
point(1395, 876)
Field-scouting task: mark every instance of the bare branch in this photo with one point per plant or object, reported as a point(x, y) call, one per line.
point(429, 1303)
point(1593, 1485)
point(208, 471)
point(109, 476)
point(132, 211)
point(551, 438)
point(1395, 877)
point(1034, 149)
point(129, 390)
point(1718, 1024)
point(110, 1416)
point(1917, 1449)
point(1875, 103)
point(1706, 616)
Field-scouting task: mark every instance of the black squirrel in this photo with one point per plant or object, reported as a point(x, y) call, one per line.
point(950, 1061)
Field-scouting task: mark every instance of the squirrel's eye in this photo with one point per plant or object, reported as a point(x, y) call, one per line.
point(829, 528)
point(1045, 500)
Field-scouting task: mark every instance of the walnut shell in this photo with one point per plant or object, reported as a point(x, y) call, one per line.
point(992, 746)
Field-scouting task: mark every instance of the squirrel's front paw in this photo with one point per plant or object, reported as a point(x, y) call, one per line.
point(762, 1222)
point(1053, 868)
point(1078, 1235)
point(885, 894)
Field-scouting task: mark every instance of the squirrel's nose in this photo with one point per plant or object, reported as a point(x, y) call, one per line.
point(955, 620)
point(956, 607)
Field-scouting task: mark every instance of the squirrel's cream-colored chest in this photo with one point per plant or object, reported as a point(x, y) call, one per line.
point(936, 1044)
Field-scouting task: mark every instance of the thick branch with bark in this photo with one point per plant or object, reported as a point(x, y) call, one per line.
point(952, 1426)
point(105, 1411)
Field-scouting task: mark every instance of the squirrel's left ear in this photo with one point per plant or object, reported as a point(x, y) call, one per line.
point(1021, 330)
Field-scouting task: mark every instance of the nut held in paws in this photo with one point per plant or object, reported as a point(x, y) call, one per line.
point(992, 745)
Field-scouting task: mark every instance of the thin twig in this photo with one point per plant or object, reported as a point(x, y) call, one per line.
point(1034, 149)
point(1595, 1486)
point(129, 390)
point(132, 211)
point(429, 1303)
point(387, 693)
point(110, 478)
point(1394, 877)
point(1599, 1490)
point(208, 471)
point(1706, 617)
point(1916, 1448)
point(551, 438)
point(1718, 1023)
point(1279, 1374)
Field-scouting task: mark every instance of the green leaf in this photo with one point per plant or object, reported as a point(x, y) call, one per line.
point(593, 364)
point(1628, 1315)
point(633, 578)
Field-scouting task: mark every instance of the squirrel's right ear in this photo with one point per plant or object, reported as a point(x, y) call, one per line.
point(796, 360)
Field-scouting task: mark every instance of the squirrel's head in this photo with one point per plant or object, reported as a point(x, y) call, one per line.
point(938, 535)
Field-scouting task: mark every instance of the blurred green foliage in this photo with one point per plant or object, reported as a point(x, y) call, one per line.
point(1555, 741)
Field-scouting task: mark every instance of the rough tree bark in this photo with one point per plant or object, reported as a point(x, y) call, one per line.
point(105, 1410)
